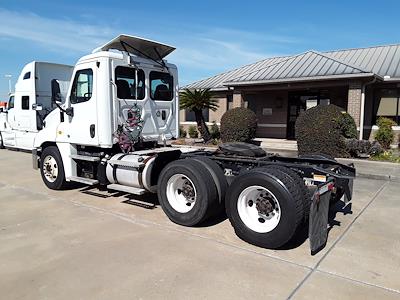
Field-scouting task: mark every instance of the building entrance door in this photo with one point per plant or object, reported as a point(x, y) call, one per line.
point(300, 102)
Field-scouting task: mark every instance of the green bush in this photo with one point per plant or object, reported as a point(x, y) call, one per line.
point(193, 133)
point(347, 126)
point(238, 125)
point(363, 148)
point(324, 129)
point(214, 131)
point(385, 135)
point(182, 132)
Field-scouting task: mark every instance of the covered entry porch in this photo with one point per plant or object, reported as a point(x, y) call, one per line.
point(278, 108)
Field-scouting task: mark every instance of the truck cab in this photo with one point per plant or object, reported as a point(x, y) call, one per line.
point(105, 84)
point(30, 104)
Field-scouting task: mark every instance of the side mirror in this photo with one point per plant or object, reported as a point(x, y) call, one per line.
point(55, 91)
point(1, 109)
point(37, 107)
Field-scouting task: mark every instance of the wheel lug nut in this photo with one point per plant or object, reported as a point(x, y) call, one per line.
point(261, 220)
point(250, 203)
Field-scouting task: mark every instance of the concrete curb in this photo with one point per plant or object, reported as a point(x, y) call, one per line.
point(379, 177)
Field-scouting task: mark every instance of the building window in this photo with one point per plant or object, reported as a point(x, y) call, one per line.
point(125, 80)
point(190, 116)
point(229, 102)
point(82, 87)
point(387, 104)
point(25, 102)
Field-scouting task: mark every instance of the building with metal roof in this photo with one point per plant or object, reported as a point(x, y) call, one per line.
point(364, 81)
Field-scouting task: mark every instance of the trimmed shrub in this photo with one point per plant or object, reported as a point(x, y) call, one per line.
point(238, 125)
point(324, 129)
point(363, 148)
point(385, 135)
point(193, 133)
point(182, 132)
point(376, 148)
point(348, 126)
point(214, 131)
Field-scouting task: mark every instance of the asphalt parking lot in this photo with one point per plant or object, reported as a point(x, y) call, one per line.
point(73, 245)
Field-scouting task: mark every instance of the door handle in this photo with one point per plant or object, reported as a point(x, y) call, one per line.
point(92, 130)
point(163, 115)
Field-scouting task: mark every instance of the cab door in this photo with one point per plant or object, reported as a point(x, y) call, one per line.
point(81, 127)
point(8, 134)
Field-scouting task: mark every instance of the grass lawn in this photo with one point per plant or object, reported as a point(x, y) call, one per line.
point(389, 156)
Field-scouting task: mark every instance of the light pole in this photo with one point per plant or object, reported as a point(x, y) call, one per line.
point(9, 82)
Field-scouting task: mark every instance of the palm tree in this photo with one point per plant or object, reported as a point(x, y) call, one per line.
point(196, 101)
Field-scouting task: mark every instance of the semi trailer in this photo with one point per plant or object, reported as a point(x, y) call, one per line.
point(112, 129)
point(30, 103)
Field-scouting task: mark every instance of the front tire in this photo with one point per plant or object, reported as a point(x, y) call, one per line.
point(52, 168)
point(1, 142)
point(265, 207)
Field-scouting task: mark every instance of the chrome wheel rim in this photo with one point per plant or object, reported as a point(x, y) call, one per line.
point(50, 168)
point(259, 209)
point(181, 193)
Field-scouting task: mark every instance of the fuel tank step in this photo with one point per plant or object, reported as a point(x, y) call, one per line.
point(83, 180)
point(126, 189)
point(84, 157)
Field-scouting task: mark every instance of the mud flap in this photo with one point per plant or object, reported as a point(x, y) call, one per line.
point(318, 222)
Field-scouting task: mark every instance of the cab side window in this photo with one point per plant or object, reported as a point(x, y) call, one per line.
point(161, 86)
point(82, 87)
point(25, 102)
point(127, 88)
point(11, 102)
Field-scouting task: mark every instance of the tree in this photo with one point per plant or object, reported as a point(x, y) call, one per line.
point(196, 101)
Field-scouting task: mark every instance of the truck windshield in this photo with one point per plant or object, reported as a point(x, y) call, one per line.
point(161, 86)
point(11, 102)
point(125, 80)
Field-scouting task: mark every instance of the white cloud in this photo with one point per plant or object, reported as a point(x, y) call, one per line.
point(201, 51)
point(53, 33)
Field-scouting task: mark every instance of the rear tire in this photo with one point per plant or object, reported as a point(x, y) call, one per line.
point(219, 180)
point(186, 192)
point(271, 222)
point(1, 142)
point(305, 193)
point(52, 169)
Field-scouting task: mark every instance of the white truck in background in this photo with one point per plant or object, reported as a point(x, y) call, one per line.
point(122, 106)
point(31, 102)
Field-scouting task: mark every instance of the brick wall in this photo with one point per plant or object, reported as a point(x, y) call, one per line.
point(354, 101)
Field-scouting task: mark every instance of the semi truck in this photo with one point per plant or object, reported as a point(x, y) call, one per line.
point(112, 131)
point(30, 103)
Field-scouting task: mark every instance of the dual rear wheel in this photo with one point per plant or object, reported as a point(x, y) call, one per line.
point(265, 205)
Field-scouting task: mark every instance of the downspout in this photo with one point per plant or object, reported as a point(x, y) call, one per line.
point(363, 106)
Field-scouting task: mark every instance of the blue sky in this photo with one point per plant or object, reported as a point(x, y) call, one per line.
point(210, 36)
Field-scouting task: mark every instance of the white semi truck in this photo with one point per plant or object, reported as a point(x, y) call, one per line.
point(30, 103)
point(120, 109)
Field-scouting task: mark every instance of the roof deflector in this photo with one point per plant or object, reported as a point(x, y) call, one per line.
point(137, 46)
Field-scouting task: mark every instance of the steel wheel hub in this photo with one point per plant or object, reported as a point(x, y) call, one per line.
point(181, 193)
point(50, 168)
point(259, 209)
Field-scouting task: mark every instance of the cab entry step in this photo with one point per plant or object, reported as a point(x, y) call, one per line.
point(126, 189)
point(83, 180)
